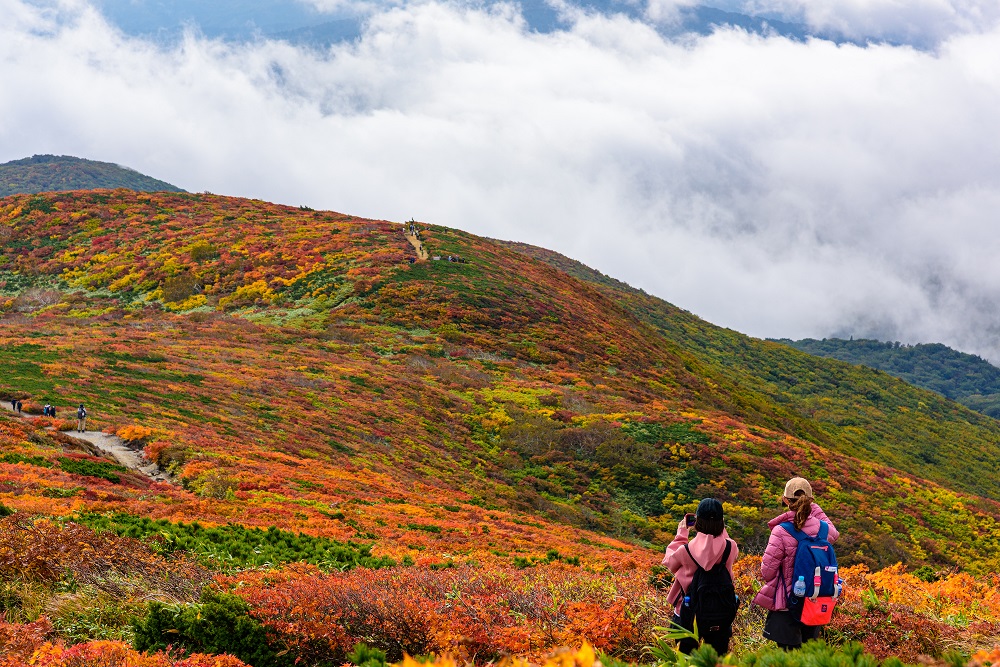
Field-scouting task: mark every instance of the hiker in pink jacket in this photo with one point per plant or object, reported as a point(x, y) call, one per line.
point(778, 563)
point(707, 547)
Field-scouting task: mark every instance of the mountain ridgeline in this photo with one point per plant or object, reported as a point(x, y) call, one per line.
point(60, 173)
point(965, 378)
point(307, 368)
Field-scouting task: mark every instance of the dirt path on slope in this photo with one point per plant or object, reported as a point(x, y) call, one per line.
point(118, 450)
point(114, 448)
point(416, 243)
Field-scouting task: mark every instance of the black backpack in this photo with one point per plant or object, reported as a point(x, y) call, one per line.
point(81, 413)
point(711, 597)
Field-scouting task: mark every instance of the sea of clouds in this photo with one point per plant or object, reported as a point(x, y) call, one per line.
point(780, 188)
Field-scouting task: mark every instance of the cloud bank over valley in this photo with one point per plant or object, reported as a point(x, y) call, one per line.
point(778, 187)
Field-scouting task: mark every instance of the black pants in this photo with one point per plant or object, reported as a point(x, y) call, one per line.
point(719, 640)
point(786, 631)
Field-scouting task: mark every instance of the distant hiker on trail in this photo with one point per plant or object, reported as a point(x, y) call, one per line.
point(81, 419)
point(45, 410)
point(777, 567)
point(19, 406)
point(52, 411)
point(13, 404)
point(703, 577)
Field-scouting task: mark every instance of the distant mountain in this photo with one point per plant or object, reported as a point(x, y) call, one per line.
point(965, 378)
point(59, 173)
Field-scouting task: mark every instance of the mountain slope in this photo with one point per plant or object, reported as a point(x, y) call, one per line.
point(59, 173)
point(965, 378)
point(296, 368)
point(857, 411)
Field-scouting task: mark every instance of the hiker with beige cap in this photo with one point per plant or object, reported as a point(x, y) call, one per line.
point(777, 564)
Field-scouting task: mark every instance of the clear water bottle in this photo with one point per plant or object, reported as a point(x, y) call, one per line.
point(799, 589)
point(687, 600)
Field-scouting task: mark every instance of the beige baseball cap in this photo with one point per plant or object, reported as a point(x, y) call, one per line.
point(796, 484)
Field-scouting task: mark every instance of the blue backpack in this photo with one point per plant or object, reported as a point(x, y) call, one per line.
point(816, 563)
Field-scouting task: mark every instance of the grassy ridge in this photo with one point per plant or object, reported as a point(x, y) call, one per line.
point(309, 376)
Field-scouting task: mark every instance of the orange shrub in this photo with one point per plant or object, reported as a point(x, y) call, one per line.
point(105, 654)
point(134, 433)
point(45, 551)
point(985, 658)
point(469, 612)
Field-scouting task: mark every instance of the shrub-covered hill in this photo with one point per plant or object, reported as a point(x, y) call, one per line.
point(294, 367)
point(965, 378)
point(60, 173)
point(854, 410)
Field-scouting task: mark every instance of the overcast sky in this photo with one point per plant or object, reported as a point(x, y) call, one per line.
point(780, 188)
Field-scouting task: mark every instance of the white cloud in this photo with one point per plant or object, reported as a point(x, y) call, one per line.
point(919, 22)
point(775, 187)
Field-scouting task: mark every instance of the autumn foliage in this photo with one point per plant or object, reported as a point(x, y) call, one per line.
point(519, 442)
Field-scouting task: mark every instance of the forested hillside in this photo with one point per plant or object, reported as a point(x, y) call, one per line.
point(59, 173)
point(965, 378)
point(493, 430)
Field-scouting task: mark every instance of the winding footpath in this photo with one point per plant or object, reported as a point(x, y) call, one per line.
point(416, 243)
point(114, 448)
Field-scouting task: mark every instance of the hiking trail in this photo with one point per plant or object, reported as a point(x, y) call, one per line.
point(416, 243)
point(113, 447)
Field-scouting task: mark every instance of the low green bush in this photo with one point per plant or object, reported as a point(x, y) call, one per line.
point(219, 623)
point(366, 656)
point(108, 471)
point(13, 457)
point(234, 546)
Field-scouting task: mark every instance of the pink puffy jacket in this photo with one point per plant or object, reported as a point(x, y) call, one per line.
point(778, 563)
point(705, 548)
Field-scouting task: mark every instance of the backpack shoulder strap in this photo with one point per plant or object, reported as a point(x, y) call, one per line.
point(725, 554)
point(793, 531)
point(693, 559)
point(824, 531)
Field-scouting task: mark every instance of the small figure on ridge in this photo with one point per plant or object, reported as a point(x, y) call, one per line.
point(81, 419)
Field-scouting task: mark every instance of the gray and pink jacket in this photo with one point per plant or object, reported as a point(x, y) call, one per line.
point(778, 563)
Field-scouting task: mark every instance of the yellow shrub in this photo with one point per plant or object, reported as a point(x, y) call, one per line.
point(134, 433)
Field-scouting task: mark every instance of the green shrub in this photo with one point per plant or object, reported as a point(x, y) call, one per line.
point(426, 527)
point(89, 615)
point(219, 623)
point(366, 656)
point(12, 457)
point(108, 471)
point(236, 546)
